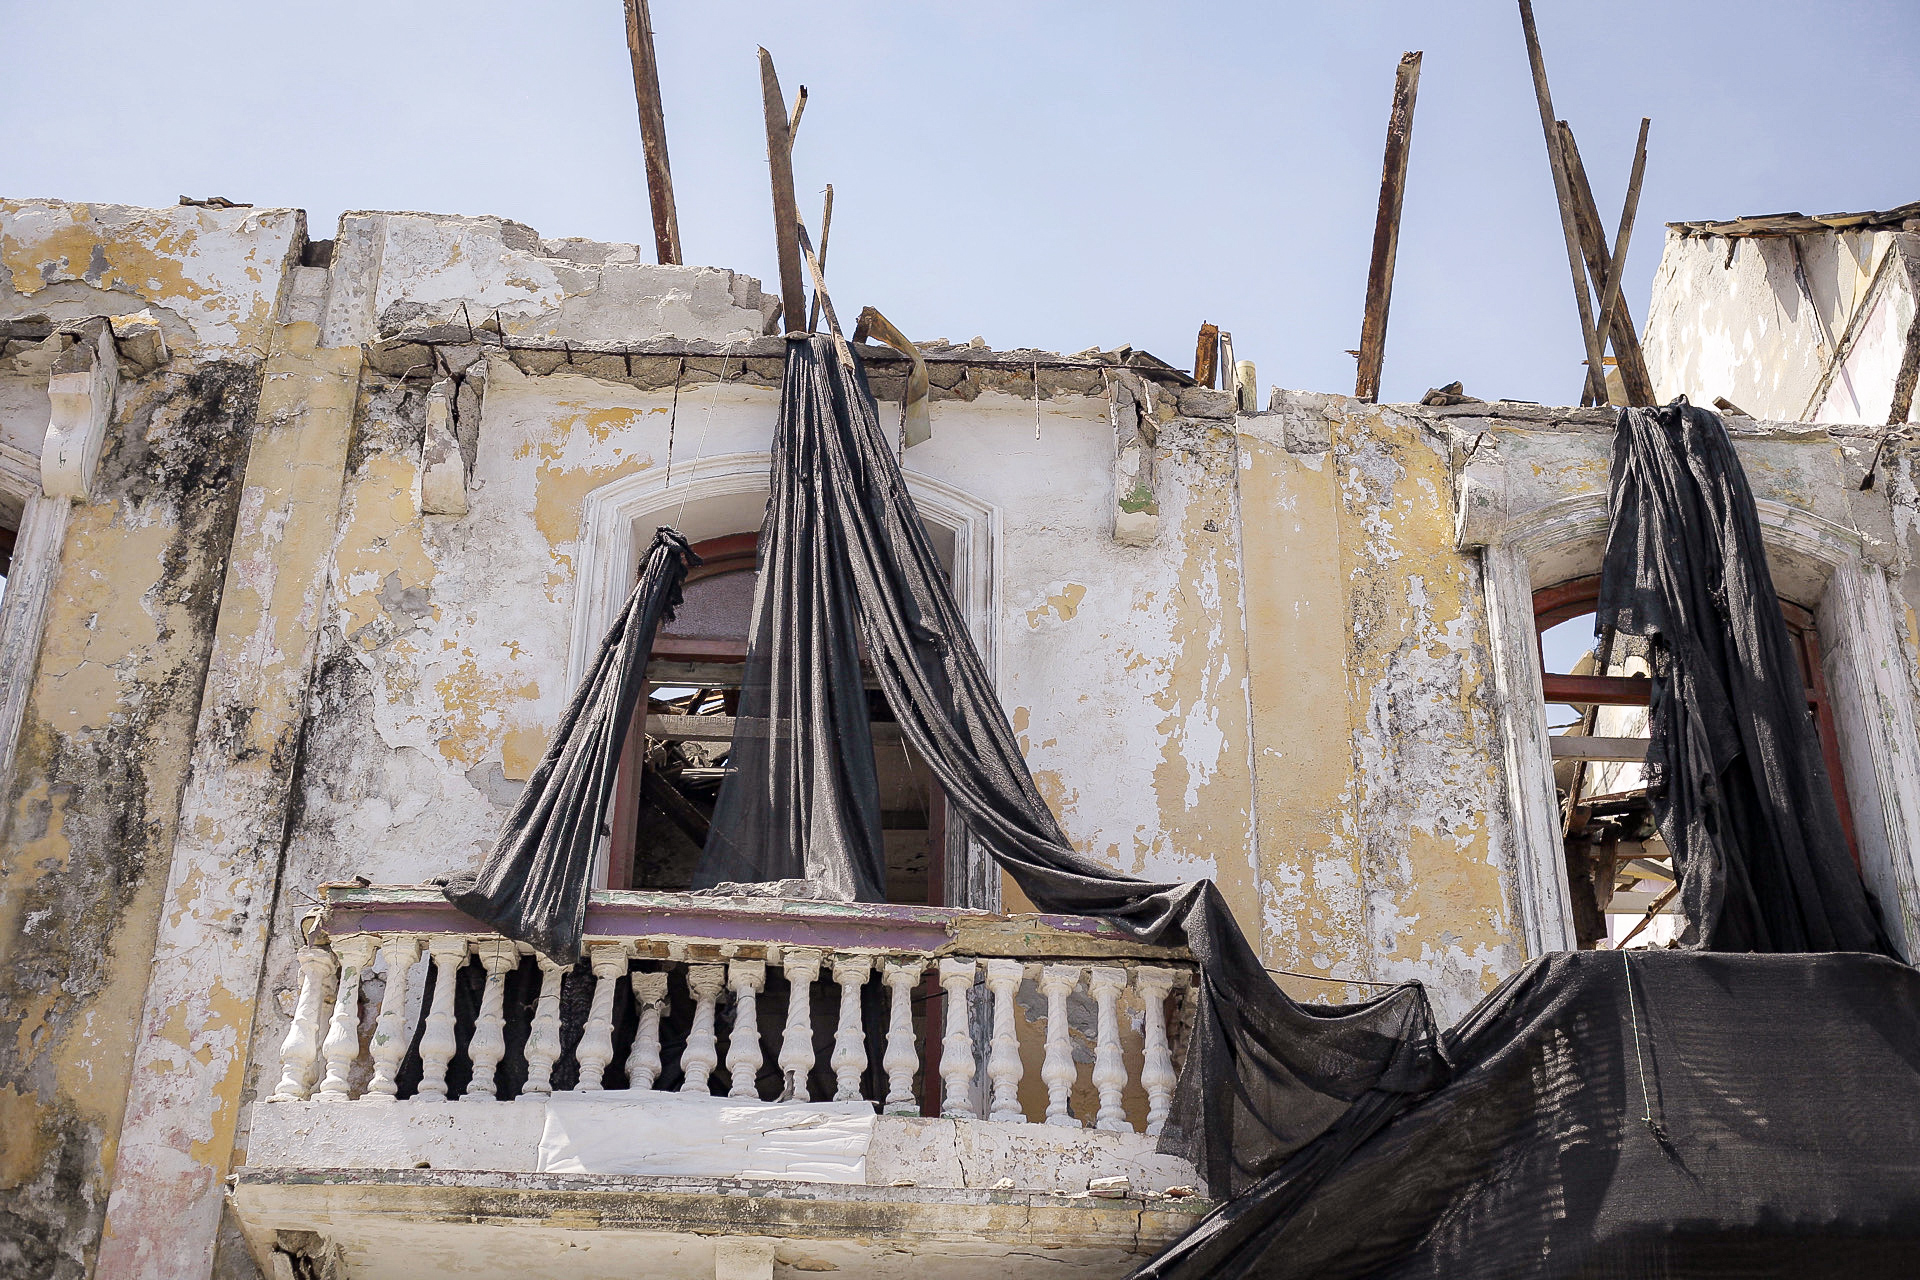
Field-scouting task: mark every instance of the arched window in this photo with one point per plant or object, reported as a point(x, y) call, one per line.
point(677, 750)
point(1619, 874)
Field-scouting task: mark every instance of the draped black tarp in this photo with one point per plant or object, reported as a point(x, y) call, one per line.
point(1264, 1076)
point(1739, 786)
point(533, 885)
point(1736, 1116)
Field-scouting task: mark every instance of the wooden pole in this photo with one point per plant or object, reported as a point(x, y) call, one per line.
point(653, 133)
point(1569, 228)
point(1386, 229)
point(1602, 263)
point(786, 216)
point(1206, 354)
point(799, 109)
point(1633, 375)
point(826, 229)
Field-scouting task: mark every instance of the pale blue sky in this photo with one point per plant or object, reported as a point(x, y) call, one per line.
point(1058, 175)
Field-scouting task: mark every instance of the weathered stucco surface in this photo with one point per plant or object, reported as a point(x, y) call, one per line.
point(250, 687)
point(1755, 319)
point(91, 819)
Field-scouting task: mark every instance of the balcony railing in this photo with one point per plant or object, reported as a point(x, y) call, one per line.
point(917, 1010)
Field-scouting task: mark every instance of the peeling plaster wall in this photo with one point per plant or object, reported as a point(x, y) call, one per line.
point(1381, 835)
point(91, 819)
point(1731, 317)
point(389, 268)
point(93, 811)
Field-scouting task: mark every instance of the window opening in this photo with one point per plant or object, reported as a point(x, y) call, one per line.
point(676, 753)
point(1619, 872)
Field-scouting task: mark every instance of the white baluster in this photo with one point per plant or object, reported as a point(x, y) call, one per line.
point(956, 1046)
point(700, 1056)
point(342, 1047)
point(747, 979)
point(489, 1043)
point(1057, 982)
point(302, 1044)
point(399, 951)
point(595, 1050)
point(1109, 1068)
point(902, 1056)
point(849, 1060)
point(1003, 1057)
point(543, 1037)
point(437, 1045)
point(1156, 1072)
point(643, 1060)
point(802, 966)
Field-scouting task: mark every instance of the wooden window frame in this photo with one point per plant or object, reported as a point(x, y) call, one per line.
point(1578, 596)
point(729, 553)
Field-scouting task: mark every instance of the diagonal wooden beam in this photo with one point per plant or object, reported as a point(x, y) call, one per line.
point(1569, 225)
point(1616, 322)
point(1386, 229)
point(653, 132)
point(786, 215)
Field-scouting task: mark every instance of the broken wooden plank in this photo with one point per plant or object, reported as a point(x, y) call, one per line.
point(826, 229)
point(1386, 229)
point(1616, 324)
point(726, 728)
point(653, 132)
point(670, 800)
point(1597, 691)
point(1634, 376)
point(1569, 227)
point(786, 214)
point(1206, 355)
point(1564, 746)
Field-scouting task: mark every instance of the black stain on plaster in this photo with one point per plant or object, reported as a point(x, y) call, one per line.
point(173, 466)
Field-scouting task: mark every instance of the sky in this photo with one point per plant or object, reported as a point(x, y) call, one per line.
point(1041, 174)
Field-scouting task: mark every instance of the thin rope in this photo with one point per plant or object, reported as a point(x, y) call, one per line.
point(1633, 1016)
point(674, 416)
point(1321, 977)
point(700, 450)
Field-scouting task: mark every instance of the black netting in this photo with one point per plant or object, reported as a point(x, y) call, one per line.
point(843, 554)
point(1736, 1116)
point(533, 886)
point(1739, 785)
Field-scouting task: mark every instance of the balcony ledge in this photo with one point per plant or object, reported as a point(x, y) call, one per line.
point(393, 1223)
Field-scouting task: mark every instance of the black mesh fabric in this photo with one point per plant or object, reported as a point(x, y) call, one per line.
point(533, 885)
point(1739, 785)
point(1264, 1076)
point(1730, 1117)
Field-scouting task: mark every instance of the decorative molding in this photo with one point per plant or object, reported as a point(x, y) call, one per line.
point(81, 387)
point(1816, 561)
point(726, 493)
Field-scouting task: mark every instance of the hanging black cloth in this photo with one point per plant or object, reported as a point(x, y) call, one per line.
point(1739, 785)
point(1696, 1117)
point(533, 885)
point(1264, 1076)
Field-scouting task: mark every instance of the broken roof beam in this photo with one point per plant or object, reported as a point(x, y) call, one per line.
point(786, 214)
point(653, 132)
point(1386, 229)
point(1605, 267)
point(1569, 226)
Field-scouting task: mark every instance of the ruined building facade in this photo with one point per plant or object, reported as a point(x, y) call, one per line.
point(312, 540)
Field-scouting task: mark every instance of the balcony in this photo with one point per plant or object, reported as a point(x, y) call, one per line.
point(732, 1087)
